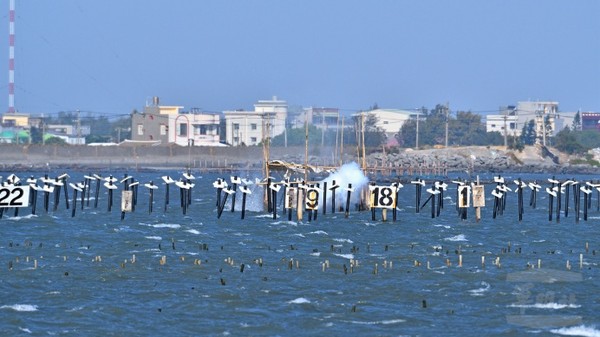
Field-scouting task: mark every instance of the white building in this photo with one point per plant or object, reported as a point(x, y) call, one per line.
point(391, 120)
point(250, 127)
point(168, 124)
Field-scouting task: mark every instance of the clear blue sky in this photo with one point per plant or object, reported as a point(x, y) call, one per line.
point(111, 56)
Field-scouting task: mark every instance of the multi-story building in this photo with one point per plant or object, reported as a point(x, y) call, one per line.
point(169, 125)
point(250, 127)
point(505, 123)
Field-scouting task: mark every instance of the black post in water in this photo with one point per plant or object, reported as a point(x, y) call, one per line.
point(347, 212)
point(33, 200)
point(57, 186)
point(222, 205)
point(567, 189)
point(269, 198)
point(274, 200)
point(520, 198)
point(74, 202)
point(64, 182)
point(245, 191)
point(558, 201)
point(324, 197)
point(97, 192)
point(333, 193)
point(585, 204)
point(234, 181)
point(395, 209)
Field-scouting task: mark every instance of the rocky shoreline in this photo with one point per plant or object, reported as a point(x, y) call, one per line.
point(533, 159)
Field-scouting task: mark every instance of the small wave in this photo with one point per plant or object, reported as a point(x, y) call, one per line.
point(480, 291)
point(550, 305)
point(382, 322)
point(21, 307)
point(299, 300)
point(345, 256)
point(539, 241)
point(316, 254)
point(319, 232)
point(299, 235)
point(25, 330)
point(154, 238)
point(459, 237)
point(166, 225)
point(193, 231)
point(343, 240)
point(18, 218)
point(580, 330)
point(445, 226)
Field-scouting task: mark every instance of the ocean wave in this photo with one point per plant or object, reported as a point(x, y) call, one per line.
point(319, 232)
point(343, 240)
point(166, 225)
point(299, 300)
point(21, 307)
point(18, 218)
point(580, 330)
point(480, 291)
point(24, 330)
point(549, 305)
point(459, 237)
point(154, 238)
point(193, 231)
point(345, 256)
point(382, 322)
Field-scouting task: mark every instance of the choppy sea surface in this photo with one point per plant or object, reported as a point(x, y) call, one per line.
point(166, 273)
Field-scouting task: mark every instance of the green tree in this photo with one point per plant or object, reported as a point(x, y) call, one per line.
point(576, 126)
point(566, 141)
point(36, 135)
point(528, 134)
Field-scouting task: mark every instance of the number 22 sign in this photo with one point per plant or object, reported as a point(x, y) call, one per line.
point(14, 196)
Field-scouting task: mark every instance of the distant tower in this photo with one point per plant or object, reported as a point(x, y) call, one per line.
point(11, 57)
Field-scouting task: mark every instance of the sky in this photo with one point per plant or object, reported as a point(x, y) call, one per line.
point(112, 56)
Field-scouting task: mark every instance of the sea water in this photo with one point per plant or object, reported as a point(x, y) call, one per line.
point(166, 273)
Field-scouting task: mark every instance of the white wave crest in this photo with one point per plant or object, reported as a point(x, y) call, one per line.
point(345, 256)
point(480, 291)
point(580, 330)
point(299, 300)
point(550, 306)
point(319, 232)
point(21, 307)
point(343, 240)
point(382, 322)
point(154, 238)
point(193, 231)
point(166, 225)
point(459, 237)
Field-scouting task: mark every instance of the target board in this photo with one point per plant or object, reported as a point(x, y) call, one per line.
point(383, 196)
point(14, 196)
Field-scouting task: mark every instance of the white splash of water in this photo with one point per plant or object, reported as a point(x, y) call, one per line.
point(21, 307)
point(347, 174)
point(299, 300)
point(580, 330)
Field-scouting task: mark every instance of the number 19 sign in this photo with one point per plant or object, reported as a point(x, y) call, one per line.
point(14, 196)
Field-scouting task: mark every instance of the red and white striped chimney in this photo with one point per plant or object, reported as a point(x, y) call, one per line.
point(11, 57)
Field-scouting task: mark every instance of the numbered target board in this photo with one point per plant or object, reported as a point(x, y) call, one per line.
point(383, 196)
point(14, 196)
point(464, 196)
point(311, 202)
point(478, 196)
point(290, 197)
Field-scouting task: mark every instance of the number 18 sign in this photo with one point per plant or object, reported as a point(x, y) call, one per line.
point(14, 196)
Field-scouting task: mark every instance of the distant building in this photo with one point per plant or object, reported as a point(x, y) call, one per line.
point(590, 121)
point(322, 118)
point(15, 120)
point(505, 123)
point(391, 120)
point(169, 125)
point(71, 134)
point(250, 127)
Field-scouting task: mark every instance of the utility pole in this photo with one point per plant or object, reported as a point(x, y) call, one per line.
point(417, 136)
point(447, 120)
point(505, 130)
point(78, 128)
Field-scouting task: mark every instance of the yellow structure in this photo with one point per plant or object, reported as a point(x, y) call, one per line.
point(16, 119)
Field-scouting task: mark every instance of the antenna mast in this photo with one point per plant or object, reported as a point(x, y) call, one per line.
point(11, 57)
